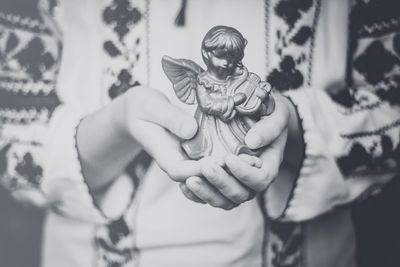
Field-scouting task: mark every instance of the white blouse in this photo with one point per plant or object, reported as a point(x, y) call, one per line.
point(103, 48)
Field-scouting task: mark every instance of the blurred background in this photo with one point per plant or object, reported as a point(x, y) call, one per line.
point(20, 232)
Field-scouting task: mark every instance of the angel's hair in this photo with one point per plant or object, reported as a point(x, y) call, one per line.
point(227, 39)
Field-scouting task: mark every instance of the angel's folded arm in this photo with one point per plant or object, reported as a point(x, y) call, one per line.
point(212, 104)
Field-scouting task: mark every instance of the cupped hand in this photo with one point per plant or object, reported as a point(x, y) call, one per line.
point(159, 126)
point(235, 179)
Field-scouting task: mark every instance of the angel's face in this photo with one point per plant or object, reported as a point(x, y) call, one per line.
point(221, 63)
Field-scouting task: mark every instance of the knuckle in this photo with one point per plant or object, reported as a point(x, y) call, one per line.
point(228, 207)
point(223, 204)
point(264, 183)
point(239, 197)
point(173, 173)
point(260, 183)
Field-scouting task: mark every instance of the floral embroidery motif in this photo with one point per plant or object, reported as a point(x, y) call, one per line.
point(125, 53)
point(122, 15)
point(115, 241)
point(28, 169)
point(374, 70)
point(291, 10)
point(115, 244)
point(29, 62)
point(295, 43)
point(374, 18)
point(375, 57)
point(284, 243)
point(361, 159)
point(375, 62)
point(287, 76)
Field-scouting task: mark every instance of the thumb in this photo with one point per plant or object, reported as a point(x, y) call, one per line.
point(160, 111)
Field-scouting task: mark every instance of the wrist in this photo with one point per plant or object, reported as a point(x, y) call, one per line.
point(280, 193)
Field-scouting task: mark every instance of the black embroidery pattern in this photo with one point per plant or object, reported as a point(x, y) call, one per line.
point(295, 44)
point(285, 240)
point(374, 41)
point(389, 90)
point(124, 82)
point(28, 169)
point(29, 63)
point(19, 169)
point(363, 160)
point(114, 244)
point(287, 76)
point(300, 17)
point(374, 65)
point(123, 16)
point(115, 241)
point(124, 46)
point(375, 62)
point(25, 15)
point(34, 60)
point(375, 18)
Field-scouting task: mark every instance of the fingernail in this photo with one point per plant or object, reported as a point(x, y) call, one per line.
point(253, 140)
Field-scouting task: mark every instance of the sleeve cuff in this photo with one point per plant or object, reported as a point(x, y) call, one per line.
point(63, 181)
point(316, 185)
point(280, 192)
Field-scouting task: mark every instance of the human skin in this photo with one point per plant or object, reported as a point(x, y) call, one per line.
point(143, 116)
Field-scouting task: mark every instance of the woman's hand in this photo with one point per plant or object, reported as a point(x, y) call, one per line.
point(141, 118)
point(229, 182)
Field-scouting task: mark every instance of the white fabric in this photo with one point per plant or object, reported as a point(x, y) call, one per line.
point(169, 229)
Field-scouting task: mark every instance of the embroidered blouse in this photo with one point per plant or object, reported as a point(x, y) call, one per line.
point(337, 61)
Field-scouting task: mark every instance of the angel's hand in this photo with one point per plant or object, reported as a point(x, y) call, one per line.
point(263, 90)
point(227, 106)
point(227, 111)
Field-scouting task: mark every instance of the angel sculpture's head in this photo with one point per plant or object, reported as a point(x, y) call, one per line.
point(223, 50)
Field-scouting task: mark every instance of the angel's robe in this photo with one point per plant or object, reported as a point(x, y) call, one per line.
point(216, 137)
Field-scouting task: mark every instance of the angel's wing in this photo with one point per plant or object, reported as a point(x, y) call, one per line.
point(183, 75)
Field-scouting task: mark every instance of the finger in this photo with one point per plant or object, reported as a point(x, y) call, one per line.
point(160, 111)
point(232, 115)
point(239, 98)
point(261, 93)
point(259, 179)
point(166, 150)
point(224, 106)
point(203, 190)
point(218, 105)
point(251, 160)
point(269, 127)
point(189, 194)
point(229, 112)
point(225, 184)
point(255, 178)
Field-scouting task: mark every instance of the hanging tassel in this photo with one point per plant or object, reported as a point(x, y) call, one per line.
point(180, 18)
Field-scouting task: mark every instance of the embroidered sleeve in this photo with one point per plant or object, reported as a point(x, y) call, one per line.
point(347, 156)
point(63, 180)
point(39, 161)
point(347, 98)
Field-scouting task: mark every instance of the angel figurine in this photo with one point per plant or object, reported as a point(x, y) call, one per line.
point(230, 99)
